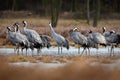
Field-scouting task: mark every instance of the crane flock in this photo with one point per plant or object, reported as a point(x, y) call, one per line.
point(31, 39)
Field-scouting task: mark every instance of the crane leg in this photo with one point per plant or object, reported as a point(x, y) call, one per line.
point(108, 50)
point(17, 50)
point(38, 50)
point(83, 51)
point(26, 51)
point(61, 49)
point(78, 49)
point(88, 51)
point(111, 51)
point(58, 49)
point(32, 52)
point(22, 50)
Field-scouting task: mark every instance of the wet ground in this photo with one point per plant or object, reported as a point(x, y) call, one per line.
point(39, 64)
point(71, 52)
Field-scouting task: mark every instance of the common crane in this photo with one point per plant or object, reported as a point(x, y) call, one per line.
point(10, 36)
point(95, 39)
point(113, 39)
point(79, 39)
point(15, 39)
point(22, 38)
point(33, 37)
point(59, 39)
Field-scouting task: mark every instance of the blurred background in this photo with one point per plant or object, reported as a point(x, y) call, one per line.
point(67, 9)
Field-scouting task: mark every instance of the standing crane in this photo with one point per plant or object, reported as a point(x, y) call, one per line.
point(95, 39)
point(33, 37)
point(10, 36)
point(16, 39)
point(112, 39)
point(59, 39)
point(22, 38)
point(79, 39)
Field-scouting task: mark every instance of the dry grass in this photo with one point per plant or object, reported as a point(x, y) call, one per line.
point(79, 70)
point(62, 59)
point(63, 27)
point(21, 58)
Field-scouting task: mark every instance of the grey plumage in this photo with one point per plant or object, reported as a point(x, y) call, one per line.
point(32, 36)
point(45, 40)
point(95, 39)
point(105, 33)
point(16, 38)
point(10, 36)
point(113, 39)
point(24, 43)
point(118, 38)
point(78, 38)
point(60, 40)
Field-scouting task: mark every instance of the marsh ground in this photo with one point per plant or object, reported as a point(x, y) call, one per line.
point(68, 68)
point(77, 67)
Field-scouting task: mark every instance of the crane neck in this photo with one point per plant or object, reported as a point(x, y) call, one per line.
point(16, 28)
point(8, 30)
point(104, 30)
point(52, 30)
point(24, 25)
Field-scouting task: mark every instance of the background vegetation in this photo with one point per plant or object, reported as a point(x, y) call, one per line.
point(75, 9)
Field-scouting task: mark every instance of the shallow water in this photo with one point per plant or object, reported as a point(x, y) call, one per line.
point(54, 51)
point(39, 64)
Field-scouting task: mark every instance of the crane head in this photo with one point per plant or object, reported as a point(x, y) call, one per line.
point(89, 31)
point(24, 22)
point(16, 24)
point(112, 31)
point(75, 29)
point(8, 29)
point(104, 29)
point(50, 24)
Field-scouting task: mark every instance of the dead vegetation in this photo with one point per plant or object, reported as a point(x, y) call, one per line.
point(77, 70)
point(63, 27)
point(61, 59)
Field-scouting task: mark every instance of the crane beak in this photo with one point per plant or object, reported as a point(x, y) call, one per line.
point(75, 29)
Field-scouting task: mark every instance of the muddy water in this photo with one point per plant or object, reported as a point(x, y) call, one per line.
point(54, 51)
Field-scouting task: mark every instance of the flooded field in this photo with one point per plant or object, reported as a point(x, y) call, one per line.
point(71, 52)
